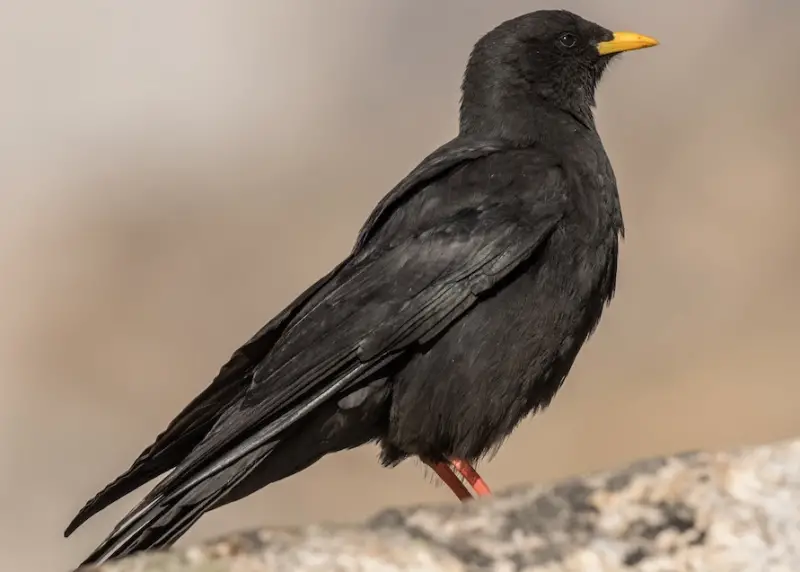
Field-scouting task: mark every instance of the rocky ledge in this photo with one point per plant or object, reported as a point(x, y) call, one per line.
point(720, 512)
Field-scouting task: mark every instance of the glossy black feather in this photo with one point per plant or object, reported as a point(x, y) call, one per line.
point(461, 309)
point(389, 297)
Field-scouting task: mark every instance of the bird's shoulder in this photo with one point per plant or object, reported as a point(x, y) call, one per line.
point(503, 183)
point(437, 165)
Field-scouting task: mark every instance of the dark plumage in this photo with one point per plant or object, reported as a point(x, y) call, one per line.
point(460, 310)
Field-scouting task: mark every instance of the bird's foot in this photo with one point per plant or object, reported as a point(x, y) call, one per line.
point(449, 478)
point(473, 478)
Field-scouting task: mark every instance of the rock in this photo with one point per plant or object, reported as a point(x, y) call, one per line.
point(722, 512)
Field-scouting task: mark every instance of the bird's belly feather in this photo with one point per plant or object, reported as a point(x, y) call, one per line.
point(504, 359)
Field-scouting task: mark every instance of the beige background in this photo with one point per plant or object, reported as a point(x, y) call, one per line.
point(173, 173)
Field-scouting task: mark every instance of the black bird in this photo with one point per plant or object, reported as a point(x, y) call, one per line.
point(460, 310)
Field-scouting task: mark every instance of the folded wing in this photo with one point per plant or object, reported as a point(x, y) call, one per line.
point(384, 303)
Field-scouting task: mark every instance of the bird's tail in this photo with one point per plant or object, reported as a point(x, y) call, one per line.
point(162, 518)
point(176, 441)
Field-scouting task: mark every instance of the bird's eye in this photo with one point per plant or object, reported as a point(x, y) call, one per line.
point(568, 40)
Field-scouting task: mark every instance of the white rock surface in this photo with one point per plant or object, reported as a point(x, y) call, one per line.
point(734, 511)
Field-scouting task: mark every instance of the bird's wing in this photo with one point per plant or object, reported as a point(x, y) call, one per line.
point(385, 303)
point(390, 300)
point(196, 419)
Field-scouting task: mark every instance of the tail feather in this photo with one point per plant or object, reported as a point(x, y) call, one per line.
point(159, 521)
point(174, 443)
point(169, 510)
point(139, 474)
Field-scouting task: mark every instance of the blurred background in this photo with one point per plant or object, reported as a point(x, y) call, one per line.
point(172, 174)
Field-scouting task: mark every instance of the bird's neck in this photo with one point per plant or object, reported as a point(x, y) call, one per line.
point(523, 118)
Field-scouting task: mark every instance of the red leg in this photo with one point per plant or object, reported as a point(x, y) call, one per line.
point(472, 477)
point(451, 480)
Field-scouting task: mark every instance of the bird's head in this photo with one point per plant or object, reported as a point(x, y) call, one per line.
point(548, 58)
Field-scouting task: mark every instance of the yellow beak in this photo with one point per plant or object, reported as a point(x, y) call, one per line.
point(625, 41)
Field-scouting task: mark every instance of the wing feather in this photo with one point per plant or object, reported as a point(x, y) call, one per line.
point(370, 339)
point(381, 303)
